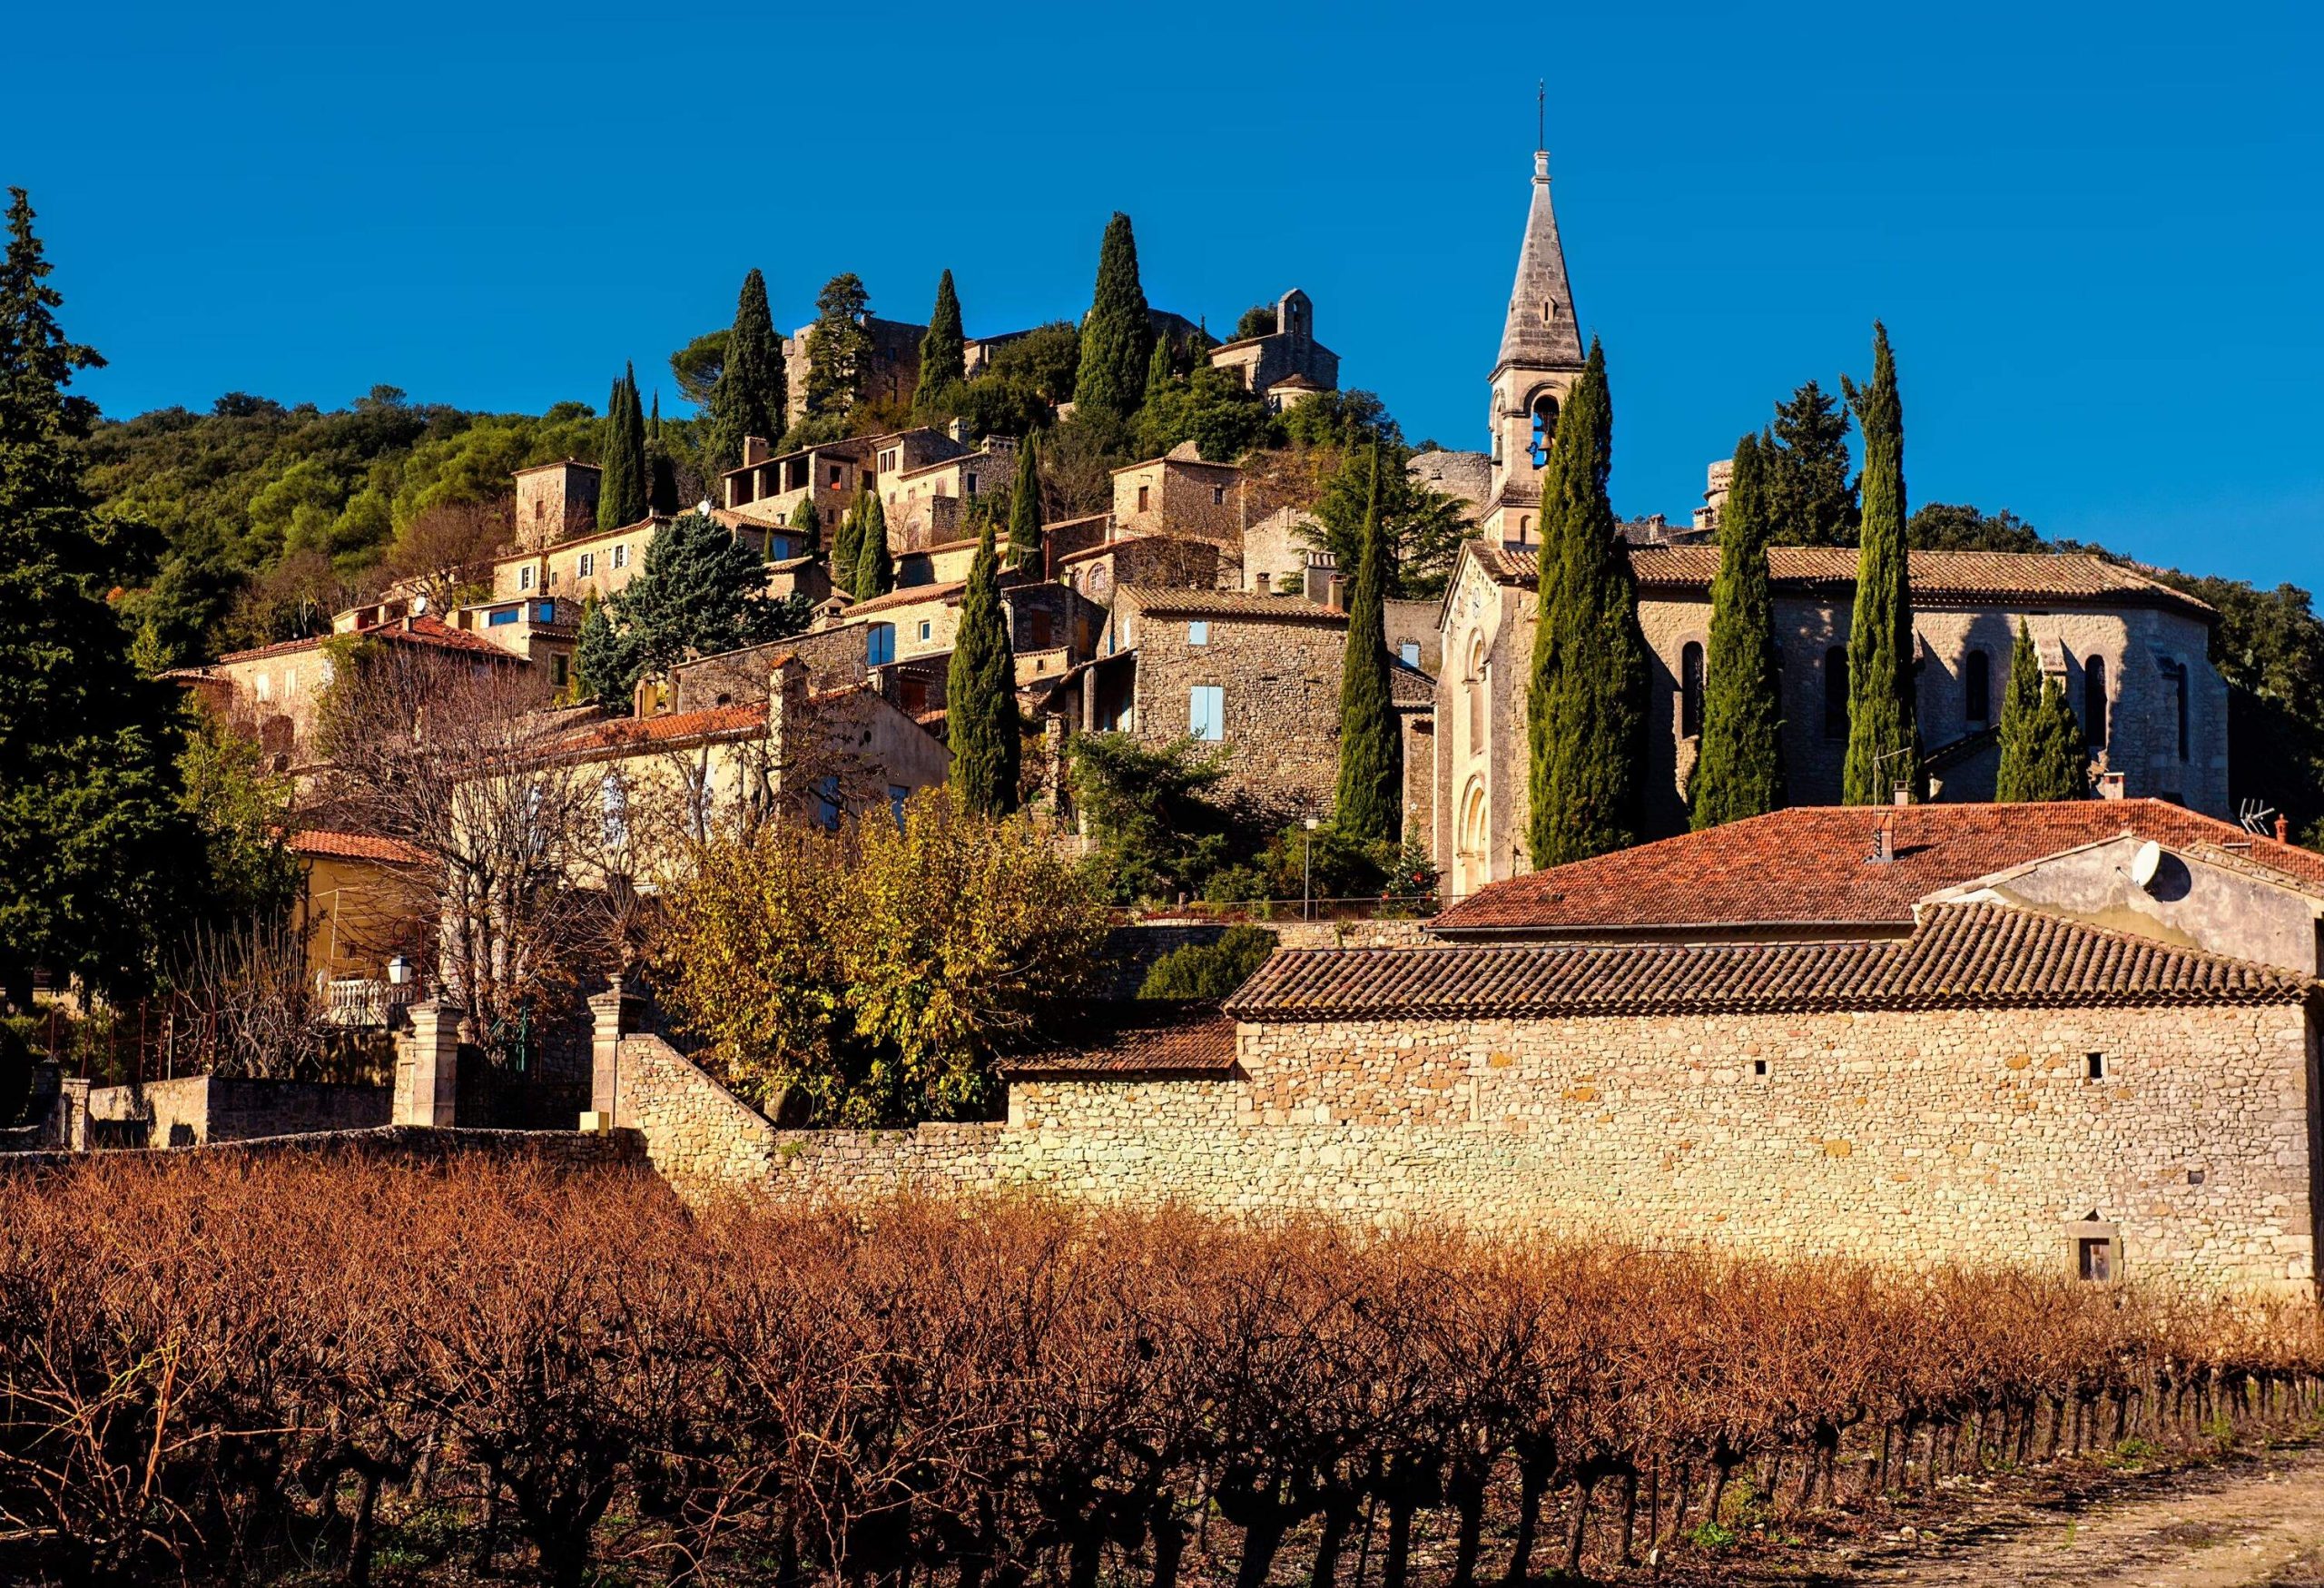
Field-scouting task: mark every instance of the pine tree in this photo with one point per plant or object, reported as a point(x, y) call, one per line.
point(750, 396)
point(944, 350)
point(875, 573)
point(1587, 703)
point(1810, 499)
point(622, 488)
point(661, 469)
point(1883, 749)
point(1369, 803)
point(93, 846)
point(839, 347)
point(700, 591)
point(1738, 771)
point(981, 722)
point(1118, 333)
point(2043, 755)
point(1025, 509)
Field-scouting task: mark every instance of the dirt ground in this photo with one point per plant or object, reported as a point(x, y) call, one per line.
point(2248, 1520)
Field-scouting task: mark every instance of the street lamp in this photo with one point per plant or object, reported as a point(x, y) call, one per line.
point(1307, 873)
point(399, 971)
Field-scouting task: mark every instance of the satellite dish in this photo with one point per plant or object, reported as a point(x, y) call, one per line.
point(2146, 862)
point(418, 604)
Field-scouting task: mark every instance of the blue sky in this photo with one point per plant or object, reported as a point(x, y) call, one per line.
point(2093, 232)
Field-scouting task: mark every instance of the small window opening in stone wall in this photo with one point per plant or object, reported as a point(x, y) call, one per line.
point(2094, 1260)
point(2194, 1177)
point(2094, 1066)
point(1759, 1069)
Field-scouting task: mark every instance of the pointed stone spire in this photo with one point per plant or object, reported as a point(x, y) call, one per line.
point(1540, 333)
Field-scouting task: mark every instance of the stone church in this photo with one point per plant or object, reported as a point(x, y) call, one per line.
point(2133, 653)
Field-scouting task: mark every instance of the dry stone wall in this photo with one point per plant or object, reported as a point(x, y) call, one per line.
point(1909, 1136)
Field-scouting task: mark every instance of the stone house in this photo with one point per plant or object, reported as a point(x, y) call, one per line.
point(1286, 363)
point(1182, 495)
point(790, 751)
point(893, 375)
point(555, 501)
point(766, 488)
point(273, 692)
point(946, 562)
point(2133, 657)
point(1097, 572)
point(928, 503)
point(1050, 625)
point(1257, 675)
point(363, 900)
point(1277, 551)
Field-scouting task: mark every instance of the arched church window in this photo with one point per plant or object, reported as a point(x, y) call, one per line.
point(1475, 683)
point(1473, 819)
point(1690, 691)
point(2093, 702)
point(1545, 429)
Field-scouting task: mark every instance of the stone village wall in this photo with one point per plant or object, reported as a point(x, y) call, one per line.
point(1927, 1136)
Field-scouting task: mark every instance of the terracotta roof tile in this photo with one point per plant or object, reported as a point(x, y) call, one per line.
point(318, 844)
point(424, 629)
point(2071, 577)
point(1809, 866)
point(630, 733)
point(1143, 1038)
point(1963, 956)
point(1173, 601)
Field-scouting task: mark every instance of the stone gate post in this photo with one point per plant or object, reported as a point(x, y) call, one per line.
point(427, 1066)
point(612, 1013)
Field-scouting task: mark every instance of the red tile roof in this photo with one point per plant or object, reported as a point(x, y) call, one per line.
point(1963, 956)
point(1811, 866)
point(2075, 578)
point(1147, 1038)
point(317, 843)
point(424, 630)
point(1176, 601)
point(638, 733)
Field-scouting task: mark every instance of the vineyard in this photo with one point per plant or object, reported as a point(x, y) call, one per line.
point(312, 1369)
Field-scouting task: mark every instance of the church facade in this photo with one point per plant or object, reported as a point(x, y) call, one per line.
point(2133, 653)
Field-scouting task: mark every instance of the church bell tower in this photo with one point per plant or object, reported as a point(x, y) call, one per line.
point(1540, 360)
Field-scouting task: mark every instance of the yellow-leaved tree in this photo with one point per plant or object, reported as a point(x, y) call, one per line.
point(870, 977)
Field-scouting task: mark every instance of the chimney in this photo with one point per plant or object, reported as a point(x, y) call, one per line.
point(957, 431)
point(1903, 796)
point(786, 708)
point(2110, 785)
point(1336, 595)
point(756, 450)
point(2283, 829)
point(1883, 841)
point(647, 696)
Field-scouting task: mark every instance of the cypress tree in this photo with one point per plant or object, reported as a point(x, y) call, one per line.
point(944, 350)
point(1883, 751)
point(1587, 703)
point(749, 398)
point(875, 575)
point(805, 525)
point(622, 487)
point(1025, 509)
point(1738, 771)
point(1369, 803)
point(847, 545)
point(1160, 369)
point(2043, 755)
point(661, 469)
point(980, 694)
point(1118, 333)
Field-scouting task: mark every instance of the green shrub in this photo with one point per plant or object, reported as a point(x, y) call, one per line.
point(1209, 972)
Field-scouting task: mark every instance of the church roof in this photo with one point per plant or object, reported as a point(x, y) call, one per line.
point(2034, 577)
point(1541, 330)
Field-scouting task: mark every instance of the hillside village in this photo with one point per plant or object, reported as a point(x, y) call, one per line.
point(1738, 877)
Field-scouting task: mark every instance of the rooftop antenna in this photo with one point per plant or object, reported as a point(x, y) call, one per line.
point(2259, 820)
point(1540, 112)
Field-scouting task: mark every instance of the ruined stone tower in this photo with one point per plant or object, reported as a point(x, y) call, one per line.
point(1540, 360)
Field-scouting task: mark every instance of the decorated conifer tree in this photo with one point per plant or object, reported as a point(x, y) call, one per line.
point(1882, 750)
point(1369, 803)
point(1739, 770)
point(1118, 333)
point(1586, 701)
point(1025, 509)
point(980, 720)
point(944, 349)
